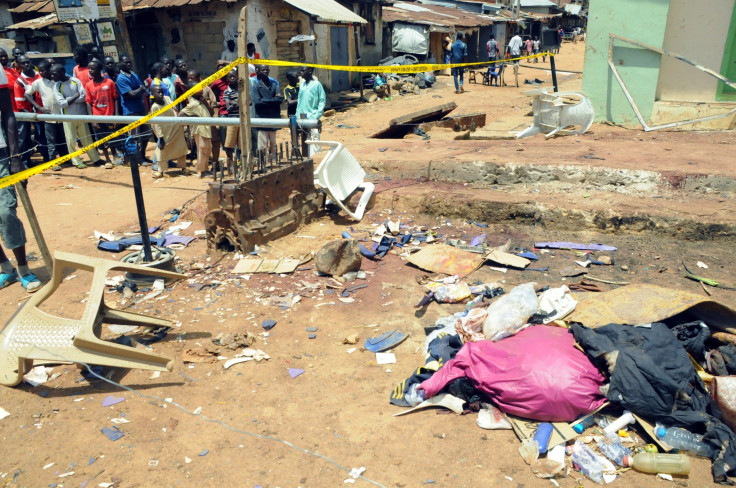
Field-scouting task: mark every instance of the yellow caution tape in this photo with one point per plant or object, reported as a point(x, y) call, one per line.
point(412, 68)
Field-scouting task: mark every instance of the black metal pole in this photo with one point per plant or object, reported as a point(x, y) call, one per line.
point(138, 190)
point(554, 72)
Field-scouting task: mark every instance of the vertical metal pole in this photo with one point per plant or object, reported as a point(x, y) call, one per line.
point(554, 72)
point(244, 89)
point(140, 206)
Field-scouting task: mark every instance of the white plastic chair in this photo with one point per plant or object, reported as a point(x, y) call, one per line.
point(552, 115)
point(340, 175)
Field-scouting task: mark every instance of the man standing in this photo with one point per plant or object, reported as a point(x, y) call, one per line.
point(492, 49)
point(70, 97)
point(101, 97)
point(218, 89)
point(459, 55)
point(515, 47)
point(81, 70)
point(210, 101)
point(17, 53)
point(132, 91)
point(10, 74)
point(291, 92)
point(54, 131)
point(529, 45)
point(266, 101)
point(536, 46)
point(11, 228)
point(311, 103)
point(170, 137)
point(202, 134)
point(182, 75)
point(24, 80)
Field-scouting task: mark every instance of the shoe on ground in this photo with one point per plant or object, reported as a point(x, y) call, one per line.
point(462, 90)
point(99, 163)
point(80, 165)
point(389, 98)
point(7, 279)
point(157, 174)
point(538, 81)
point(457, 91)
point(205, 174)
point(30, 282)
point(56, 168)
point(108, 165)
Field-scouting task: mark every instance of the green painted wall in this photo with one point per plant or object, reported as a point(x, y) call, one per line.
point(641, 20)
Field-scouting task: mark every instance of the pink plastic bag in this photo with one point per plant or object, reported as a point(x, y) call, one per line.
point(536, 374)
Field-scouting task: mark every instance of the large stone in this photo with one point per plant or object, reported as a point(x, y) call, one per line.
point(339, 257)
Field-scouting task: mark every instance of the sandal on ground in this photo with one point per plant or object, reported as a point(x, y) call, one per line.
point(157, 174)
point(80, 165)
point(30, 282)
point(7, 279)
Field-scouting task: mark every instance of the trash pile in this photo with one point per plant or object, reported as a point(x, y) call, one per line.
point(637, 377)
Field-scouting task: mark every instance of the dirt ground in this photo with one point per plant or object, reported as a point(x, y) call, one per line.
point(257, 424)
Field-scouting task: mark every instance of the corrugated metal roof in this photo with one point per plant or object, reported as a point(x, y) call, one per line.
point(327, 11)
point(536, 3)
point(42, 6)
point(36, 23)
point(434, 15)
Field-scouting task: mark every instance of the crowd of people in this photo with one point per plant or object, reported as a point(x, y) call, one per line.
point(100, 86)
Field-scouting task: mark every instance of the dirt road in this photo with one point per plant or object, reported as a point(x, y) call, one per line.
point(260, 426)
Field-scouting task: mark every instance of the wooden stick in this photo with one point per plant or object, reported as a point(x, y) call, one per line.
point(588, 277)
point(31, 214)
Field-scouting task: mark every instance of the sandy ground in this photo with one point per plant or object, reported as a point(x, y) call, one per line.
point(260, 426)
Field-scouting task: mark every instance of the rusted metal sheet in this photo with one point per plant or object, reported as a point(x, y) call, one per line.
point(435, 15)
point(261, 209)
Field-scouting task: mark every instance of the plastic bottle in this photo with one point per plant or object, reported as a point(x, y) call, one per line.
point(682, 439)
point(648, 462)
point(584, 424)
point(542, 435)
point(588, 462)
point(612, 448)
point(621, 422)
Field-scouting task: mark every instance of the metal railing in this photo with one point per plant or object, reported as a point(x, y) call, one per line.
point(127, 119)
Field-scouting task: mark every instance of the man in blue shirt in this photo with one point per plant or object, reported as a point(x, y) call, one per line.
point(459, 55)
point(132, 91)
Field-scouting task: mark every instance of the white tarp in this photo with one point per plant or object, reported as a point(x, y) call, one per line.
point(410, 38)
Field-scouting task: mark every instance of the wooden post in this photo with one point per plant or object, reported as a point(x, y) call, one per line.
point(31, 214)
point(124, 30)
point(244, 96)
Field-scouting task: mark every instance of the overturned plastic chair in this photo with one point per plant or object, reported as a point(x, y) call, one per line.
point(552, 115)
point(32, 334)
point(340, 175)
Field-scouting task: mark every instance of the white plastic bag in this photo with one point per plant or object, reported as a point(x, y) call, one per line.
point(509, 313)
point(557, 300)
point(491, 418)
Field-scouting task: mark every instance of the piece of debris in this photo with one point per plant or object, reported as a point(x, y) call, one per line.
point(112, 433)
point(339, 257)
point(112, 400)
point(3, 413)
point(235, 341)
point(385, 358)
point(294, 372)
point(441, 258)
point(268, 324)
point(385, 341)
point(351, 339)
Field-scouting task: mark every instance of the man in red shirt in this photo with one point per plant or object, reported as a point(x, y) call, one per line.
point(27, 76)
point(81, 70)
point(10, 73)
point(101, 100)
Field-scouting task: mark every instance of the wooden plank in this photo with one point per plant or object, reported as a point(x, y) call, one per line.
point(402, 125)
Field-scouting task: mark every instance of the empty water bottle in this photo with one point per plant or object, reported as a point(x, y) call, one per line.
point(684, 440)
point(588, 462)
point(612, 448)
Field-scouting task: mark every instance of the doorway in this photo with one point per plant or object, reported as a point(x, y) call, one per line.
point(339, 56)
